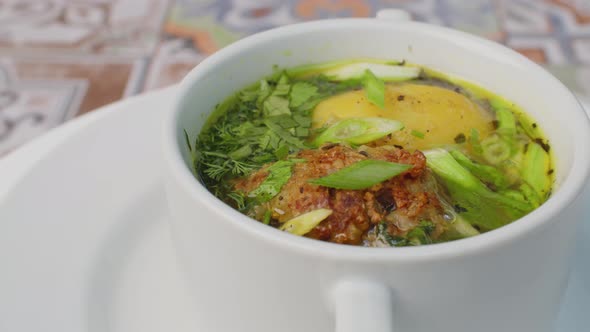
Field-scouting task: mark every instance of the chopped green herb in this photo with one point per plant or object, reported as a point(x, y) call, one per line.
point(361, 175)
point(385, 72)
point(303, 121)
point(495, 149)
point(485, 173)
point(241, 153)
point(394, 241)
point(417, 133)
point(238, 199)
point(421, 234)
point(275, 105)
point(301, 92)
point(266, 219)
point(278, 174)
point(535, 165)
point(459, 228)
point(304, 223)
point(479, 205)
point(506, 123)
point(374, 88)
point(282, 88)
point(284, 134)
point(282, 152)
point(301, 132)
point(358, 130)
point(474, 141)
point(285, 121)
point(264, 90)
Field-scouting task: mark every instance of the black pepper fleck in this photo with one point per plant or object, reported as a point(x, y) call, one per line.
point(460, 138)
point(459, 209)
point(544, 145)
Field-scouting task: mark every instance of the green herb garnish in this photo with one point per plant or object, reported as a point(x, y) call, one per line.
point(361, 175)
point(356, 70)
point(255, 127)
point(374, 88)
point(301, 92)
point(358, 130)
point(535, 167)
point(488, 174)
point(480, 206)
point(421, 234)
point(474, 141)
point(417, 133)
point(266, 218)
point(278, 174)
point(304, 223)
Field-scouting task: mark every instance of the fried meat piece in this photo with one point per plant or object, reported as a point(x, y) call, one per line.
point(402, 201)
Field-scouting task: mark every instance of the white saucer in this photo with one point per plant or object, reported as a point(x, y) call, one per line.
point(84, 243)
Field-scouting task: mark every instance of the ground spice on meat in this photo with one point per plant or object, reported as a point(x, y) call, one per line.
point(402, 201)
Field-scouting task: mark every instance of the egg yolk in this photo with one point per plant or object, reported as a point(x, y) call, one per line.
point(432, 116)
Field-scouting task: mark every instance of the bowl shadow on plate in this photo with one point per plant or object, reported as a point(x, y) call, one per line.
point(112, 258)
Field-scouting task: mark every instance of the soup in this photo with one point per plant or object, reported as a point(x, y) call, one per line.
point(374, 153)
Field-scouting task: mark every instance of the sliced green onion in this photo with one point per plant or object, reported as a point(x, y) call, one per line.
point(486, 173)
point(530, 194)
point(495, 149)
point(361, 175)
point(388, 73)
point(418, 134)
point(266, 219)
point(304, 223)
point(374, 88)
point(474, 140)
point(458, 229)
point(535, 168)
point(529, 126)
point(506, 123)
point(358, 130)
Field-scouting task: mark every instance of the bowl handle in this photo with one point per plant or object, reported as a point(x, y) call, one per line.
point(361, 305)
point(394, 15)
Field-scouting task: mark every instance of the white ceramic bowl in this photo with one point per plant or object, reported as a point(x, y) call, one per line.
point(250, 277)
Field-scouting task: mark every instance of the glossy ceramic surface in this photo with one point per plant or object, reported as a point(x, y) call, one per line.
point(78, 256)
point(520, 276)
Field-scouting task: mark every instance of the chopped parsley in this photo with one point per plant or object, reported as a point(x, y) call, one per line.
point(417, 133)
point(263, 123)
point(278, 174)
point(301, 92)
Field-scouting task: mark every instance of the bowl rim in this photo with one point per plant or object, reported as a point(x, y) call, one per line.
point(541, 217)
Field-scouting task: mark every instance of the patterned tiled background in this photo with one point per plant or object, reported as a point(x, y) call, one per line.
point(63, 58)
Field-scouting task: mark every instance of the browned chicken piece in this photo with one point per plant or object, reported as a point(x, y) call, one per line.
point(402, 201)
